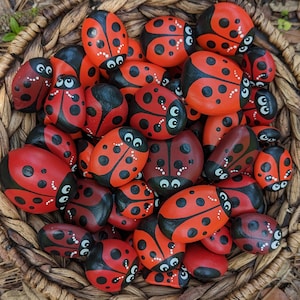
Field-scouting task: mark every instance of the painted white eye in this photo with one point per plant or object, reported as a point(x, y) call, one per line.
point(164, 267)
point(84, 252)
point(137, 142)
point(165, 81)
point(227, 205)
point(189, 41)
point(164, 183)
point(66, 189)
point(175, 183)
point(243, 49)
point(110, 64)
point(178, 91)
point(40, 68)
point(219, 172)
point(59, 82)
point(69, 82)
point(172, 123)
point(245, 92)
point(128, 137)
point(188, 30)
point(174, 111)
point(248, 40)
point(134, 269)
point(119, 60)
point(174, 261)
point(275, 245)
point(184, 275)
point(63, 199)
point(246, 82)
point(48, 70)
point(129, 278)
point(264, 110)
point(277, 234)
point(259, 84)
point(276, 187)
point(283, 184)
point(263, 137)
point(223, 196)
point(85, 243)
point(262, 100)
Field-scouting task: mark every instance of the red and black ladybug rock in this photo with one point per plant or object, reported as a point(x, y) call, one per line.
point(194, 213)
point(225, 28)
point(273, 168)
point(111, 265)
point(119, 156)
point(104, 39)
point(72, 60)
point(156, 251)
point(56, 141)
point(31, 84)
point(213, 84)
point(261, 108)
point(36, 180)
point(65, 105)
point(65, 240)
point(173, 164)
point(135, 199)
point(157, 112)
point(167, 41)
point(245, 194)
point(256, 233)
point(259, 66)
point(106, 109)
point(90, 207)
point(234, 154)
point(176, 278)
point(203, 264)
point(266, 135)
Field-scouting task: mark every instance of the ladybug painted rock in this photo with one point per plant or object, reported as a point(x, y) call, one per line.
point(65, 240)
point(157, 112)
point(220, 242)
point(90, 207)
point(31, 84)
point(135, 51)
point(155, 251)
point(235, 152)
point(106, 109)
point(121, 222)
point(56, 141)
point(65, 105)
point(119, 156)
point(111, 265)
point(217, 126)
point(72, 60)
point(36, 180)
point(104, 39)
point(256, 233)
point(176, 278)
point(203, 264)
point(85, 149)
point(225, 28)
point(266, 134)
point(261, 108)
point(167, 41)
point(194, 213)
point(132, 75)
point(174, 164)
point(273, 168)
point(107, 231)
point(245, 194)
point(135, 199)
point(213, 84)
point(259, 66)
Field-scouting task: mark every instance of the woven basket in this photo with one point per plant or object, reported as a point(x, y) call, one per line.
point(44, 277)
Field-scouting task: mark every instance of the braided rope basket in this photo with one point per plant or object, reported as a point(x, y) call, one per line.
point(46, 277)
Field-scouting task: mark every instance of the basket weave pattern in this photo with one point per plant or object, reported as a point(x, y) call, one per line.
point(45, 277)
